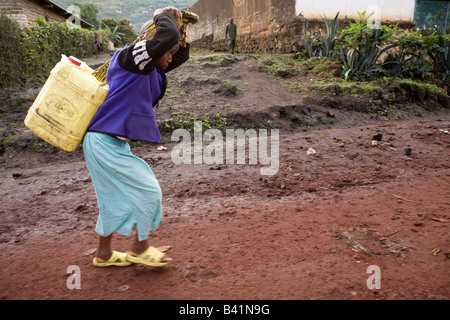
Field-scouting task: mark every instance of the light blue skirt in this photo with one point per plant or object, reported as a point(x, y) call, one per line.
point(127, 191)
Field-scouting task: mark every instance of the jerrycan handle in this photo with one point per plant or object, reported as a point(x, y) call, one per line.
point(75, 61)
point(81, 65)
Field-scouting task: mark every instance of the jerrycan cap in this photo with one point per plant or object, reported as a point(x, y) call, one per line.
point(75, 61)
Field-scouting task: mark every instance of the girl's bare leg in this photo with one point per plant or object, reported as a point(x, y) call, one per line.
point(104, 251)
point(139, 246)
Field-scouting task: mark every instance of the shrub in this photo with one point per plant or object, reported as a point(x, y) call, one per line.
point(121, 30)
point(361, 48)
point(43, 43)
point(368, 51)
point(422, 54)
point(10, 51)
point(34, 50)
point(363, 61)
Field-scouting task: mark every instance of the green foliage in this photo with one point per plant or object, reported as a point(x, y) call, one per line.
point(441, 57)
point(355, 35)
point(121, 30)
point(10, 51)
point(363, 61)
point(413, 55)
point(34, 50)
point(422, 54)
point(117, 36)
point(89, 13)
point(359, 47)
point(43, 43)
point(368, 51)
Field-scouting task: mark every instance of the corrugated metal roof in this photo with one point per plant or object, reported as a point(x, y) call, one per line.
point(48, 4)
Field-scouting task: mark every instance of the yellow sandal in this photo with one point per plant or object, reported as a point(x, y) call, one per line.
point(151, 257)
point(117, 259)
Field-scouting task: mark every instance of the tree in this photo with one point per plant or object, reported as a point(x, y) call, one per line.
point(121, 30)
point(89, 13)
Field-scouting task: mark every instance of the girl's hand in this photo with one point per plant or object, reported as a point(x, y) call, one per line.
point(171, 9)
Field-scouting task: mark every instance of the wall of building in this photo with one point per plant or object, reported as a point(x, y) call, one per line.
point(290, 39)
point(387, 11)
point(214, 15)
point(27, 11)
point(264, 26)
point(281, 26)
point(255, 17)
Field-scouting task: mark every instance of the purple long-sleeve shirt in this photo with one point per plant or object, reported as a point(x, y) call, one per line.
point(136, 83)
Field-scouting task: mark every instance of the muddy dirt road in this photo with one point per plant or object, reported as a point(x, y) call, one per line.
point(352, 189)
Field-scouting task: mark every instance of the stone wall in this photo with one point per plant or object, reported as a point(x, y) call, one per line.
point(288, 39)
point(27, 11)
point(255, 17)
point(264, 26)
point(214, 15)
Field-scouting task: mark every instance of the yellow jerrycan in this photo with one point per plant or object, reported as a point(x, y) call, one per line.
point(66, 104)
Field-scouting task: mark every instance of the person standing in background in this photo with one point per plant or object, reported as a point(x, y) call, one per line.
point(231, 34)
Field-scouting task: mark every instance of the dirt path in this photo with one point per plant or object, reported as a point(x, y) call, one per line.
point(308, 232)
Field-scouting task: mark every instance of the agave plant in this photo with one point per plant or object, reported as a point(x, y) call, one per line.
point(312, 45)
point(364, 62)
point(332, 32)
point(413, 65)
point(319, 46)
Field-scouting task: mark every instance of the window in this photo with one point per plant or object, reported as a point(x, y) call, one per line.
point(432, 14)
